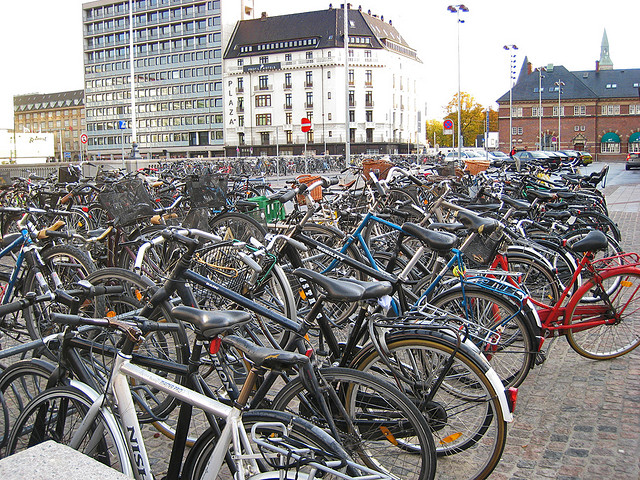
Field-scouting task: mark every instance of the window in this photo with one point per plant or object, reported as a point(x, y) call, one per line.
point(612, 85)
point(264, 59)
point(309, 103)
point(555, 111)
point(263, 100)
point(515, 111)
point(308, 79)
point(329, 74)
point(634, 109)
point(516, 130)
point(369, 115)
point(368, 99)
point(352, 115)
point(241, 120)
point(264, 138)
point(309, 56)
point(310, 136)
point(368, 77)
point(328, 95)
point(289, 136)
point(287, 80)
point(263, 82)
point(263, 119)
point(367, 54)
point(610, 109)
point(240, 138)
point(329, 116)
point(287, 100)
point(580, 110)
point(352, 98)
point(288, 117)
point(537, 111)
point(351, 77)
point(610, 147)
point(240, 87)
point(287, 57)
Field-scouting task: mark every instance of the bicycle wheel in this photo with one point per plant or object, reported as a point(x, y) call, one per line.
point(57, 414)
point(465, 414)
point(171, 346)
point(621, 331)
point(535, 278)
point(502, 333)
point(236, 226)
point(71, 265)
point(380, 417)
point(301, 433)
point(20, 383)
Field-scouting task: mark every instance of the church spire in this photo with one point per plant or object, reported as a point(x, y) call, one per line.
point(605, 62)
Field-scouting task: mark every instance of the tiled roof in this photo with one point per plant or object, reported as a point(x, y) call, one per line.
point(327, 26)
point(581, 84)
point(41, 101)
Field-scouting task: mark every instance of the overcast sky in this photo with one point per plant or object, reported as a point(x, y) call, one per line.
point(42, 41)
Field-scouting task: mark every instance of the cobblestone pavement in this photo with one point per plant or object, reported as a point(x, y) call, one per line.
point(578, 418)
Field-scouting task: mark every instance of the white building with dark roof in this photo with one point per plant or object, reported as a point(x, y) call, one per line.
point(279, 70)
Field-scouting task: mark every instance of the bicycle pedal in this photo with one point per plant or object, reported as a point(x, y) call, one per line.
point(541, 357)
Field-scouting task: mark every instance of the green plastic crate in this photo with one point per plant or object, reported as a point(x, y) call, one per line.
point(273, 210)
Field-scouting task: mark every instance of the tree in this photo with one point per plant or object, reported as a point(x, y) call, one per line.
point(472, 118)
point(436, 127)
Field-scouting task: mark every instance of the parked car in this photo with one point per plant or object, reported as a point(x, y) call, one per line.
point(633, 161)
point(537, 156)
point(586, 158)
point(582, 158)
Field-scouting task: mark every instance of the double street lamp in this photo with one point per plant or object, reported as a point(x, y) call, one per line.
point(457, 9)
point(512, 77)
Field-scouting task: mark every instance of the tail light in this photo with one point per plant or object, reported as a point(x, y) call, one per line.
point(628, 157)
point(512, 397)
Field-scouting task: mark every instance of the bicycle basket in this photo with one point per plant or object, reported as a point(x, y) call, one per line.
point(379, 167)
point(481, 250)
point(209, 190)
point(316, 193)
point(68, 174)
point(127, 201)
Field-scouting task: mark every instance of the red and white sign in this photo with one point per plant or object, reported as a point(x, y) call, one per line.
point(84, 138)
point(305, 125)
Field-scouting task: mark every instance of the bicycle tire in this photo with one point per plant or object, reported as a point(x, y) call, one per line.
point(614, 339)
point(368, 399)
point(309, 434)
point(237, 226)
point(535, 277)
point(512, 351)
point(71, 265)
point(465, 416)
point(172, 346)
point(20, 383)
point(56, 414)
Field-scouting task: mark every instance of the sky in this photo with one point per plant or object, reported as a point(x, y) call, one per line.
point(42, 42)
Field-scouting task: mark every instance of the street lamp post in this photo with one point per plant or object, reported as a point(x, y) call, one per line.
point(512, 76)
point(540, 77)
point(457, 9)
point(559, 84)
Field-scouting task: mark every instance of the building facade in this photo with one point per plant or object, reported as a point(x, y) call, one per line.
point(61, 113)
point(553, 108)
point(281, 70)
point(177, 64)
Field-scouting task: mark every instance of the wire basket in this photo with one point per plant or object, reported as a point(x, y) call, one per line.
point(316, 193)
point(68, 174)
point(127, 201)
point(379, 167)
point(208, 190)
point(481, 250)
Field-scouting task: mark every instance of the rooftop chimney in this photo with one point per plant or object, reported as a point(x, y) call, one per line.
point(597, 65)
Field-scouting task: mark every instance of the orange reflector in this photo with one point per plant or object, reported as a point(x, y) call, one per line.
point(451, 438)
point(111, 314)
point(385, 431)
point(302, 295)
point(626, 283)
point(138, 294)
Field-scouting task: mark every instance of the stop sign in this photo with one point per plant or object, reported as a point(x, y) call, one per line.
point(305, 124)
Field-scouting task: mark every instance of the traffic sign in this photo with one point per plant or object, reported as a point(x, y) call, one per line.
point(448, 124)
point(84, 138)
point(67, 154)
point(305, 125)
point(122, 124)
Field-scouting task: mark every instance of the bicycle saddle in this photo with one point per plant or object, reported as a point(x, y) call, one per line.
point(335, 290)
point(372, 290)
point(438, 241)
point(541, 195)
point(477, 223)
point(9, 239)
point(594, 241)
point(265, 357)
point(209, 324)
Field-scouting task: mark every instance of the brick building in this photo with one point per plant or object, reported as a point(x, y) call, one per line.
point(553, 108)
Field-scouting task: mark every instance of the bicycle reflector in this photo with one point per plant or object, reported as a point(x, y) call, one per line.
point(512, 397)
point(214, 346)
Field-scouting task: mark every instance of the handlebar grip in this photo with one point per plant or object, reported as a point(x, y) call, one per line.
point(13, 307)
point(168, 234)
point(288, 196)
point(42, 234)
point(327, 182)
point(415, 179)
point(75, 320)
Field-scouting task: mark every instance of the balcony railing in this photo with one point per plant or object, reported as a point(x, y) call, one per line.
point(288, 107)
point(286, 86)
point(308, 84)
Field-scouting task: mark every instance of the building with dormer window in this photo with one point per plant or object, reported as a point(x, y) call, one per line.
point(556, 109)
point(279, 70)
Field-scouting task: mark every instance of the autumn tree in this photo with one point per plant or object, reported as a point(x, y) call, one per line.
point(435, 127)
point(472, 118)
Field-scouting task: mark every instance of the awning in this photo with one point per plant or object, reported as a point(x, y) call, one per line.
point(634, 138)
point(610, 138)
